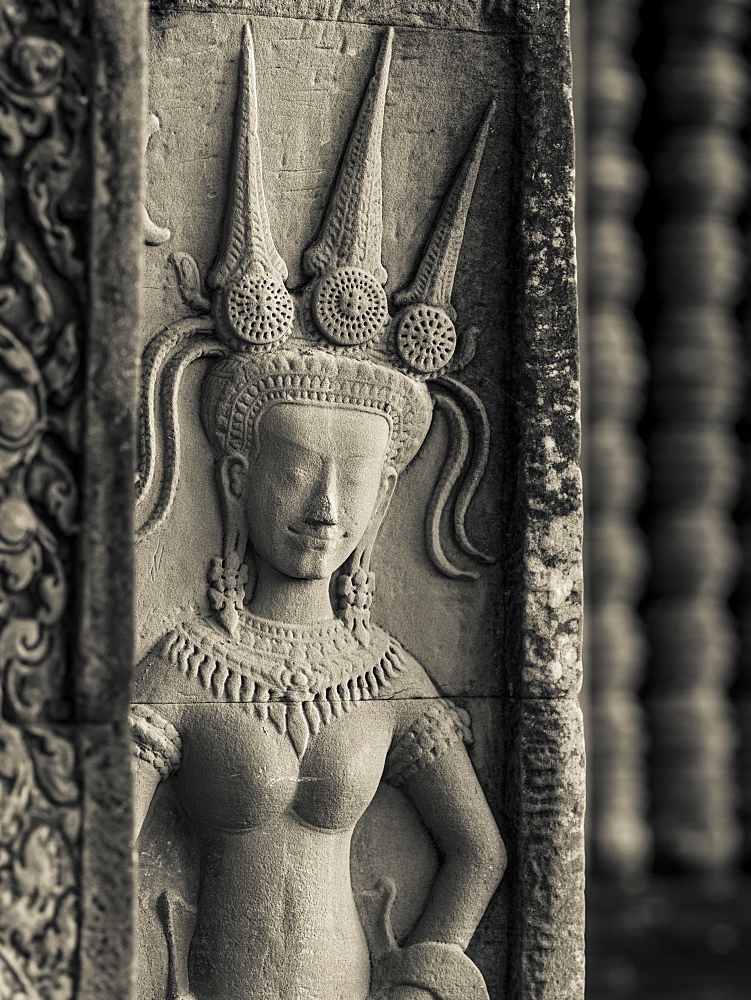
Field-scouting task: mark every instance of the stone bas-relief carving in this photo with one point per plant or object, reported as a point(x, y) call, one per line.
point(42, 135)
point(277, 716)
point(72, 147)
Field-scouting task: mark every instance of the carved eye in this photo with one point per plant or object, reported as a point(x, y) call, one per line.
point(425, 338)
point(350, 307)
point(18, 414)
point(259, 310)
point(293, 475)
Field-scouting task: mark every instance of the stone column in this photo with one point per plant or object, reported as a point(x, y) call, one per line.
point(700, 182)
point(616, 377)
point(742, 599)
point(545, 780)
point(70, 249)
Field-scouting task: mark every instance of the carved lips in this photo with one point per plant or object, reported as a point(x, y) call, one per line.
point(322, 536)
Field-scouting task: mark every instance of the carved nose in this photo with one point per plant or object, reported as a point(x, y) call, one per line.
point(322, 511)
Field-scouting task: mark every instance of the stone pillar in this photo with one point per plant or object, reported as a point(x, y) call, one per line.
point(616, 377)
point(359, 227)
point(700, 182)
point(742, 692)
point(742, 601)
point(545, 780)
point(70, 249)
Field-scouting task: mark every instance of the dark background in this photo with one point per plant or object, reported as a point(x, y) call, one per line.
point(662, 99)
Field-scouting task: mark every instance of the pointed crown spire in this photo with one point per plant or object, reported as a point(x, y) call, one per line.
point(434, 280)
point(345, 298)
point(425, 335)
point(247, 240)
point(349, 304)
point(253, 307)
point(352, 231)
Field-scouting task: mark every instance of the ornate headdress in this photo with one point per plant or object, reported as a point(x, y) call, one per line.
point(332, 341)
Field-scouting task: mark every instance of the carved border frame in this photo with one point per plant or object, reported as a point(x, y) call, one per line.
point(545, 741)
point(106, 642)
point(545, 777)
point(73, 96)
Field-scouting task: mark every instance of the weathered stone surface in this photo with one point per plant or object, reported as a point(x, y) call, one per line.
point(423, 144)
point(546, 807)
point(105, 636)
point(467, 15)
point(105, 952)
point(546, 767)
point(547, 517)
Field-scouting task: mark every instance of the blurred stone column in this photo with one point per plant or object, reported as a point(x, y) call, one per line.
point(743, 610)
point(620, 835)
point(743, 596)
point(700, 180)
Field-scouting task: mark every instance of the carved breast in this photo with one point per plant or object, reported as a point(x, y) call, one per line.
point(239, 773)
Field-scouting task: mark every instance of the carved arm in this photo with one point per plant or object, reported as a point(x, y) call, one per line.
point(145, 781)
point(432, 963)
point(453, 807)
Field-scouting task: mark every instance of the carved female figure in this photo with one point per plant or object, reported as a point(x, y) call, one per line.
point(280, 713)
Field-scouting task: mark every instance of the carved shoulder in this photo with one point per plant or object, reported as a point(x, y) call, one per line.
point(412, 681)
point(156, 713)
point(426, 724)
point(156, 681)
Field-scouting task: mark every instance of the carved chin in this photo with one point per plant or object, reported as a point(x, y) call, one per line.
point(310, 559)
point(313, 566)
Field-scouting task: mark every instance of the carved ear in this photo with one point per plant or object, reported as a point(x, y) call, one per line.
point(385, 493)
point(229, 585)
point(233, 471)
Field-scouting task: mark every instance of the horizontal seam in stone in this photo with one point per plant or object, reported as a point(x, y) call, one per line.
point(166, 10)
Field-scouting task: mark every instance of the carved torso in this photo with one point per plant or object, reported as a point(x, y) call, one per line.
point(278, 741)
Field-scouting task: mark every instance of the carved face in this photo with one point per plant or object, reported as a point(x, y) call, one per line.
point(313, 486)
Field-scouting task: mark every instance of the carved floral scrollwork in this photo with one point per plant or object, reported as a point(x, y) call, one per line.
point(39, 828)
point(43, 186)
point(38, 494)
point(43, 109)
point(43, 117)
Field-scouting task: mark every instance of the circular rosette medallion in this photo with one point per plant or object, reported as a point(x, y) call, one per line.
point(18, 524)
point(19, 415)
point(259, 310)
point(425, 338)
point(350, 307)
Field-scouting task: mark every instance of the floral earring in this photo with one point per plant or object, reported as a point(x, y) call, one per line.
point(229, 573)
point(228, 577)
point(355, 588)
point(355, 585)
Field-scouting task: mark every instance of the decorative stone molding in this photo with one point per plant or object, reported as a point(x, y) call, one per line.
point(44, 93)
point(54, 911)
